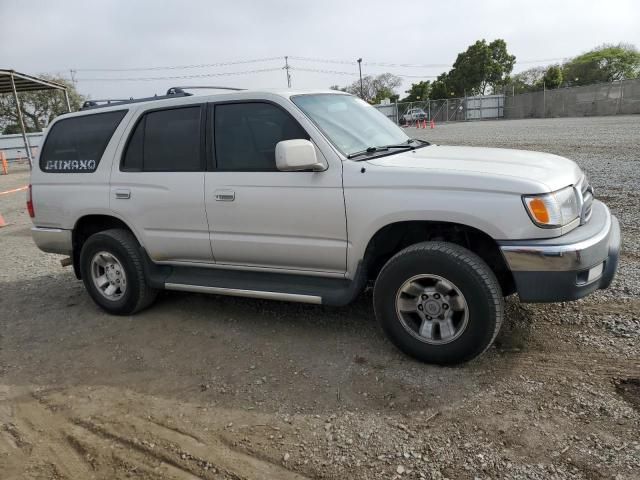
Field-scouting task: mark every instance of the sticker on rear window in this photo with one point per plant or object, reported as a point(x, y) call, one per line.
point(70, 165)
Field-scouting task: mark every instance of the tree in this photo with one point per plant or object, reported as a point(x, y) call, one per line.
point(552, 77)
point(606, 63)
point(534, 79)
point(38, 107)
point(482, 65)
point(440, 88)
point(374, 89)
point(418, 91)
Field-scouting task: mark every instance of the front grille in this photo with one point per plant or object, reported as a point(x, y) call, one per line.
point(586, 193)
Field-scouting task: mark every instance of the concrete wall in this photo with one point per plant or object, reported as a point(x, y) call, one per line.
point(617, 98)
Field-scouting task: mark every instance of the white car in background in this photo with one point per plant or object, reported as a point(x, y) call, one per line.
point(413, 115)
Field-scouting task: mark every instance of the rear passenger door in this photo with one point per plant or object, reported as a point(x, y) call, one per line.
point(157, 187)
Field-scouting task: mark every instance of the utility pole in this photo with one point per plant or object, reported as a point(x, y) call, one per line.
point(73, 75)
point(287, 67)
point(360, 69)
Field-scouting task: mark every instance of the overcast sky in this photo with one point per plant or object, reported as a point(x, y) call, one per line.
point(56, 36)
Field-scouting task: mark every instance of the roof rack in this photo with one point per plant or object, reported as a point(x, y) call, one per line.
point(173, 92)
point(201, 87)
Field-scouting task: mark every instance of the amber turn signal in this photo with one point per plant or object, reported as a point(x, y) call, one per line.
point(539, 210)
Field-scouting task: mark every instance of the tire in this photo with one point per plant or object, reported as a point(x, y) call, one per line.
point(118, 251)
point(466, 318)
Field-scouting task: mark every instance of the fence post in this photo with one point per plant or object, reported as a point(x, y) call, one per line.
point(620, 97)
point(544, 100)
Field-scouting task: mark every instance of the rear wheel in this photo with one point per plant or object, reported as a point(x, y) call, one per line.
point(113, 273)
point(439, 302)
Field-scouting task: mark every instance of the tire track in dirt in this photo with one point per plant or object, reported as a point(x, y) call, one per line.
point(42, 434)
point(40, 439)
point(550, 364)
point(187, 452)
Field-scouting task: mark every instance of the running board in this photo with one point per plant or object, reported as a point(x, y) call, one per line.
point(235, 292)
point(243, 283)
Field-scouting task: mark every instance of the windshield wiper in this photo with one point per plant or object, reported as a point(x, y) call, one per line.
point(383, 148)
point(367, 150)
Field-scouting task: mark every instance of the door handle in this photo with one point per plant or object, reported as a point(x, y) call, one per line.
point(225, 195)
point(123, 193)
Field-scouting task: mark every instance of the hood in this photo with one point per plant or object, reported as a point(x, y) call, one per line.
point(548, 171)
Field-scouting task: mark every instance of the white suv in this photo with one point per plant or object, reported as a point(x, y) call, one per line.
point(310, 197)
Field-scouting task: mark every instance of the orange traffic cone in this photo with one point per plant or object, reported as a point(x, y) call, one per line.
point(2, 222)
point(3, 160)
point(424, 124)
point(433, 124)
point(417, 123)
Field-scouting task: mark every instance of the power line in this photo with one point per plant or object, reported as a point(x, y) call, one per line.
point(175, 77)
point(287, 67)
point(299, 58)
point(354, 73)
point(378, 64)
point(178, 67)
point(406, 65)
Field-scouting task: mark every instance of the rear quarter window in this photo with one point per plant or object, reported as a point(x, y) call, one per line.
point(76, 145)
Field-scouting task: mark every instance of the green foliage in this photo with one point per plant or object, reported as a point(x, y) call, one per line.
point(418, 91)
point(440, 88)
point(482, 65)
point(38, 107)
point(374, 88)
point(534, 79)
point(552, 77)
point(11, 128)
point(606, 63)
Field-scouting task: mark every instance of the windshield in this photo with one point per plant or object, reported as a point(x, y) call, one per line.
point(351, 124)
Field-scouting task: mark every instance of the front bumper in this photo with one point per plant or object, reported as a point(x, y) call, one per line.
point(52, 240)
point(567, 267)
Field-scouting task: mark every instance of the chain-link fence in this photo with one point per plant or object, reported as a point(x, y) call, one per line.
point(616, 98)
point(445, 110)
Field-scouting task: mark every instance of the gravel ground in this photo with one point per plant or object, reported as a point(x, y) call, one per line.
point(206, 387)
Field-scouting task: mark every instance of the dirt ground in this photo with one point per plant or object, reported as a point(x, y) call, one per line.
point(212, 387)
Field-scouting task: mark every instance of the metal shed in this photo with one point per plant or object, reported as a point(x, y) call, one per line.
point(15, 82)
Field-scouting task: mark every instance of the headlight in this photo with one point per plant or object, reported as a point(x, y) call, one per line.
point(552, 210)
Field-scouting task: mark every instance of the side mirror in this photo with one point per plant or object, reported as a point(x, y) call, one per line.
point(296, 155)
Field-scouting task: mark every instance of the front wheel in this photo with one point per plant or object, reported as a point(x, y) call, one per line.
point(439, 302)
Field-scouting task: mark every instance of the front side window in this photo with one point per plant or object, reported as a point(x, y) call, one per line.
point(351, 124)
point(246, 135)
point(76, 145)
point(165, 141)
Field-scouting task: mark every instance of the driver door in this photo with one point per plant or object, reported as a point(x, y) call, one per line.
point(259, 216)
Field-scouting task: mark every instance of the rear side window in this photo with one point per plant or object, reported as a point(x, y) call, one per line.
point(76, 145)
point(165, 141)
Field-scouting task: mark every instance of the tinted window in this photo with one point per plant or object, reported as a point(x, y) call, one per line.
point(246, 135)
point(76, 145)
point(133, 156)
point(165, 141)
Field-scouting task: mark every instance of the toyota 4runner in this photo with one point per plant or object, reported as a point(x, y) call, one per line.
point(309, 197)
